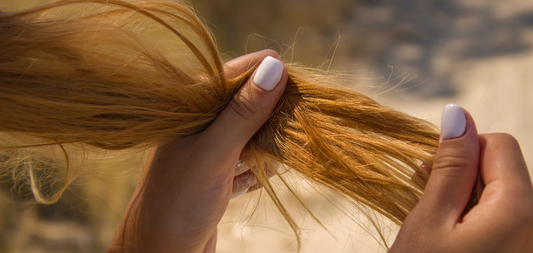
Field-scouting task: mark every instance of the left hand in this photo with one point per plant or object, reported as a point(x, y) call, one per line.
point(502, 221)
point(185, 189)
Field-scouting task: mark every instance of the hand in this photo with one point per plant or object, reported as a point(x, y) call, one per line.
point(502, 221)
point(185, 189)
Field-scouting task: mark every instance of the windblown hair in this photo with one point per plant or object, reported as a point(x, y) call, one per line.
point(116, 75)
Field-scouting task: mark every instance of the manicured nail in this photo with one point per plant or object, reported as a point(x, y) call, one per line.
point(237, 194)
point(268, 74)
point(240, 168)
point(453, 122)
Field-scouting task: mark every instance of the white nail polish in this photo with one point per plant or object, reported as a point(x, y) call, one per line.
point(268, 74)
point(453, 122)
point(237, 194)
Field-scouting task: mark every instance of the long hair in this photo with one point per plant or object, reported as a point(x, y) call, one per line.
point(115, 75)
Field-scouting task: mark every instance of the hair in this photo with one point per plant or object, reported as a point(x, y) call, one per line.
point(114, 75)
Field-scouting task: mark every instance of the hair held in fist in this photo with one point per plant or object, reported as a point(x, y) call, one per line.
point(82, 77)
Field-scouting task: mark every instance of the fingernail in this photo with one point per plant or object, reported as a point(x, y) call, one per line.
point(453, 122)
point(268, 74)
point(240, 168)
point(237, 194)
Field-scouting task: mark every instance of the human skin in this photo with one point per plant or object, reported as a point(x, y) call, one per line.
point(186, 186)
point(502, 221)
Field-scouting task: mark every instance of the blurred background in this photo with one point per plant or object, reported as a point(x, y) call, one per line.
point(475, 53)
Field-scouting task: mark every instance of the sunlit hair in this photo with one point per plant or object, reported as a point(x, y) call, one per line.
point(114, 75)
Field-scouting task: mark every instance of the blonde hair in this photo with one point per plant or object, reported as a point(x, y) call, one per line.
point(117, 75)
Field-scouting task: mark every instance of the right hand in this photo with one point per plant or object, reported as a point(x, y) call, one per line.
point(503, 219)
point(186, 186)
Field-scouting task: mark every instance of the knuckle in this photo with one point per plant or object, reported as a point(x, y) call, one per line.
point(270, 52)
point(450, 161)
point(508, 139)
point(244, 107)
point(499, 142)
point(503, 138)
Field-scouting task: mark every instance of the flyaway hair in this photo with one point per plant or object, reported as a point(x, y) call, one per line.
point(116, 75)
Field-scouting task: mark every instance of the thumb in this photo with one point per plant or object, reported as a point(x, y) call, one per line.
point(455, 167)
point(251, 106)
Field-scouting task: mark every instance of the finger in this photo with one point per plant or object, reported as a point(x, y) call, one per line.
point(211, 245)
point(269, 173)
point(246, 180)
point(240, 65)
point(249, 109)
point(502, 162)
point(243, 181)
point(240, 168)
point(455, 167)
point(421, 176)
point(507, 199)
